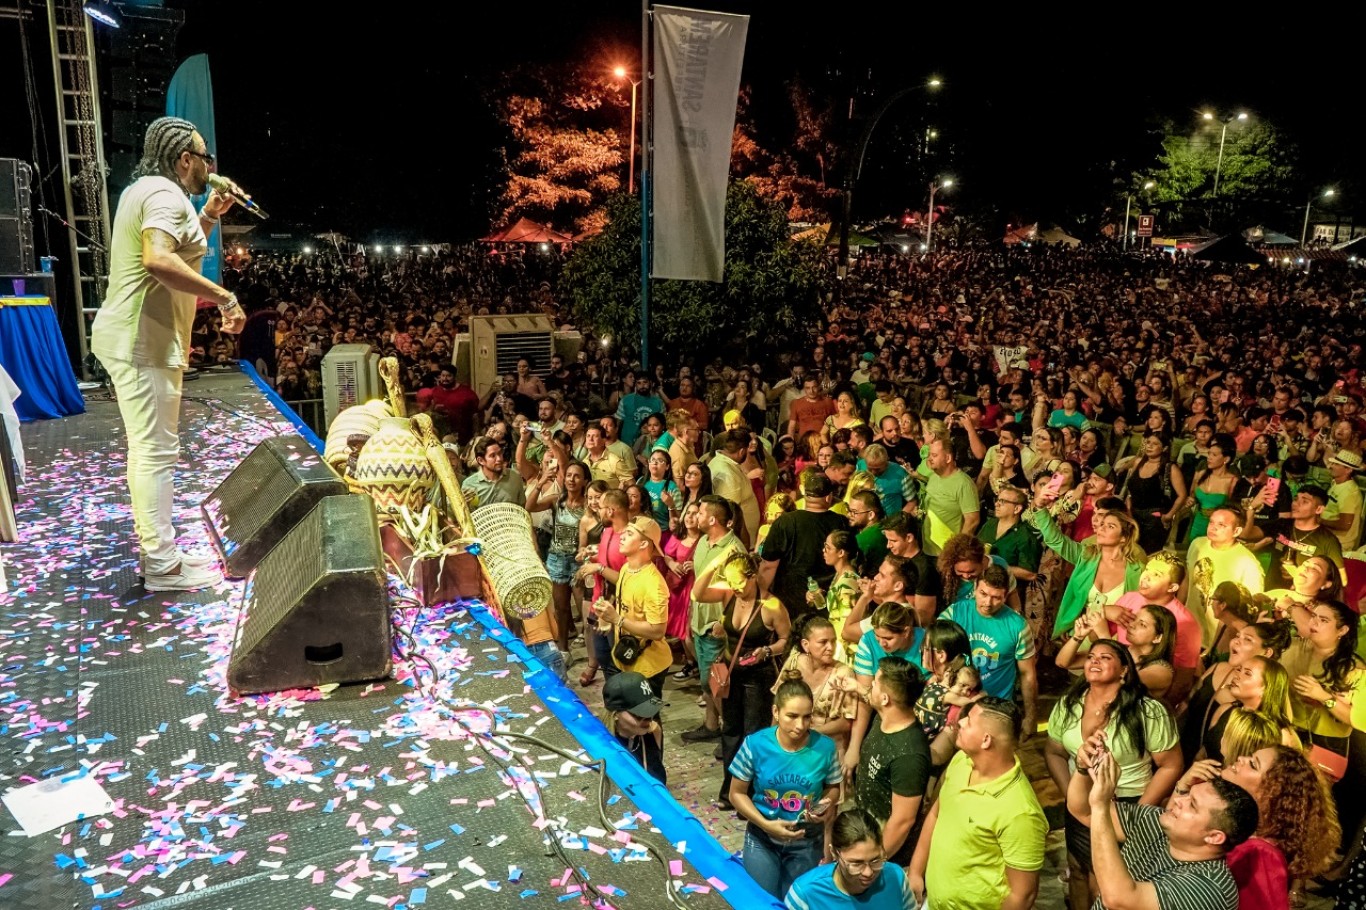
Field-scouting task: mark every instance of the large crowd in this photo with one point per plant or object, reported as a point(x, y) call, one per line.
point(1140, 471)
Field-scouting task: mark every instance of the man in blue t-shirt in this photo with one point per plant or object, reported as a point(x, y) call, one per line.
point(1002, 646)
point(635, 407)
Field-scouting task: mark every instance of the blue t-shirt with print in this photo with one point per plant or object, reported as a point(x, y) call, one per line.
point(870, 651)
point(997, 642)
point(816, 890)
point(784, 782)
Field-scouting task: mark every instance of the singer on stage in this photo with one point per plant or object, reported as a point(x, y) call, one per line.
point(142, 332)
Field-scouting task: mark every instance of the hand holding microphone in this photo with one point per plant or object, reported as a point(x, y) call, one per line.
point(226, 188)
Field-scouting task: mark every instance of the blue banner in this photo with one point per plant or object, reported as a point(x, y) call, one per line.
point(190, 95)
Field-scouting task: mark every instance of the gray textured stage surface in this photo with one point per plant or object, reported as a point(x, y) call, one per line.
point(362, 796)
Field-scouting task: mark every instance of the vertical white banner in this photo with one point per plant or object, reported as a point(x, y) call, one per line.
point(696, 86)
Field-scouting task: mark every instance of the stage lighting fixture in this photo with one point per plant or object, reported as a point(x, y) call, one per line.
point(103, 13)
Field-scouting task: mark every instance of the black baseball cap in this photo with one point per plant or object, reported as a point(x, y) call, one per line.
point(630, 692)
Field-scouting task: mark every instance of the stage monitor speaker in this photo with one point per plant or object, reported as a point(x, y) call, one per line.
point(16, 218)
point(316, 610)
point(270, 492)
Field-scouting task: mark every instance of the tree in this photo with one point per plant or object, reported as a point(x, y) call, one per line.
point(769, 294)
point(1257, 169)
point(796, 176)
point(564, 154)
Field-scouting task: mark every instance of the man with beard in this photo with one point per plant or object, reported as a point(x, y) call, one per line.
point(453, 401)
point(142, 332)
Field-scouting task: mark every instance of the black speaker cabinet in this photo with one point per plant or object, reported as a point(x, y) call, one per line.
point(264, 497)
point(16, 218)
point(316, 610)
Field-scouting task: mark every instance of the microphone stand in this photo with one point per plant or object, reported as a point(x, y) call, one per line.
point(90, 241)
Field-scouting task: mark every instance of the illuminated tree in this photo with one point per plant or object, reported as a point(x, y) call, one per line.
point(566, 145)
point(1256, 176)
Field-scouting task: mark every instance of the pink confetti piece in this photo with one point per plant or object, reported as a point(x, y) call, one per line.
point(676, 868)
point(716, 883)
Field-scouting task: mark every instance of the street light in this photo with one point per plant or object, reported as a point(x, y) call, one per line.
point(1304, 231)
point(1128, 202)
point(620, 73)
point(1223, 132)
point(929, 216)
point(851, 174)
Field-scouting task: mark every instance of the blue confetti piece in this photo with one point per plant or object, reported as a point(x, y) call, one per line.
point(434, 844)
point(457, 829)
point(530, 892)
point(419, 896)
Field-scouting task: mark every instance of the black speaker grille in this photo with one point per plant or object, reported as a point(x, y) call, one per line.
point(276, 590)
point(321, 591)
point(274, 487)
point(17, 256)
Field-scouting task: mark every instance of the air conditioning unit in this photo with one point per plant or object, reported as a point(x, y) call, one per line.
point(350, 376)
point(498, 342)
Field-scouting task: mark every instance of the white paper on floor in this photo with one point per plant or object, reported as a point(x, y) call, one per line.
point(57, 801)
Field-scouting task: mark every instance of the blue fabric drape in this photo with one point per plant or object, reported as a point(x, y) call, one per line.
point(32, 352)
point(190, 95)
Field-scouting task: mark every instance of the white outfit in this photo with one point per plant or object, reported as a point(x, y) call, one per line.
point(142, 336)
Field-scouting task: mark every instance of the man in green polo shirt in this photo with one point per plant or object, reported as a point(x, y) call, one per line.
point(982, 843)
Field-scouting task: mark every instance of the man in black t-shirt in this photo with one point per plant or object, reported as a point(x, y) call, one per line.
point(792, 551)
point(1297, 538)
point(903, 539)
point(902, 450)
point(894, 760)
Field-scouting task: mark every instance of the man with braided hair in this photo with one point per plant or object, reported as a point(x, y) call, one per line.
point(142, 332)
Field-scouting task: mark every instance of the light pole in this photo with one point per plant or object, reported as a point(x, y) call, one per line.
point(1304, 231)
point(929, 216)
point(1128, 202)
point(1223, 133)
point(620, 73)
point(851, 174)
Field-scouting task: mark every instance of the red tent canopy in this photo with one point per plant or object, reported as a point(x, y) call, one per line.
point(527, 231)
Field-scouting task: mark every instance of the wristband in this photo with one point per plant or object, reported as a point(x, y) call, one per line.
point(204, 215)
point(231, 304)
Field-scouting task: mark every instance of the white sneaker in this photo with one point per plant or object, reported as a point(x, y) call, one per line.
point(207, 560)
point(187, 578)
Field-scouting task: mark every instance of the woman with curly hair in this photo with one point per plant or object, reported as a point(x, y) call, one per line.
point(961, 562)
point(1297, 827)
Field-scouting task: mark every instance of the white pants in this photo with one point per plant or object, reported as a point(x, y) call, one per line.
point(149, 401)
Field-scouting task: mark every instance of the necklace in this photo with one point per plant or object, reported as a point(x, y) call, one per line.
point(1099, 711)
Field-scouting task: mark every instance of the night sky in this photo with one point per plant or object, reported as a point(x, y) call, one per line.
point(370, 123)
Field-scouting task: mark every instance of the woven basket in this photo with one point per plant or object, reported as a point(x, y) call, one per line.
point(359, 419)
point(509, 553)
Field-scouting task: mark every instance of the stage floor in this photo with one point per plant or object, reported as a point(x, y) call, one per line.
point(365, 795)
